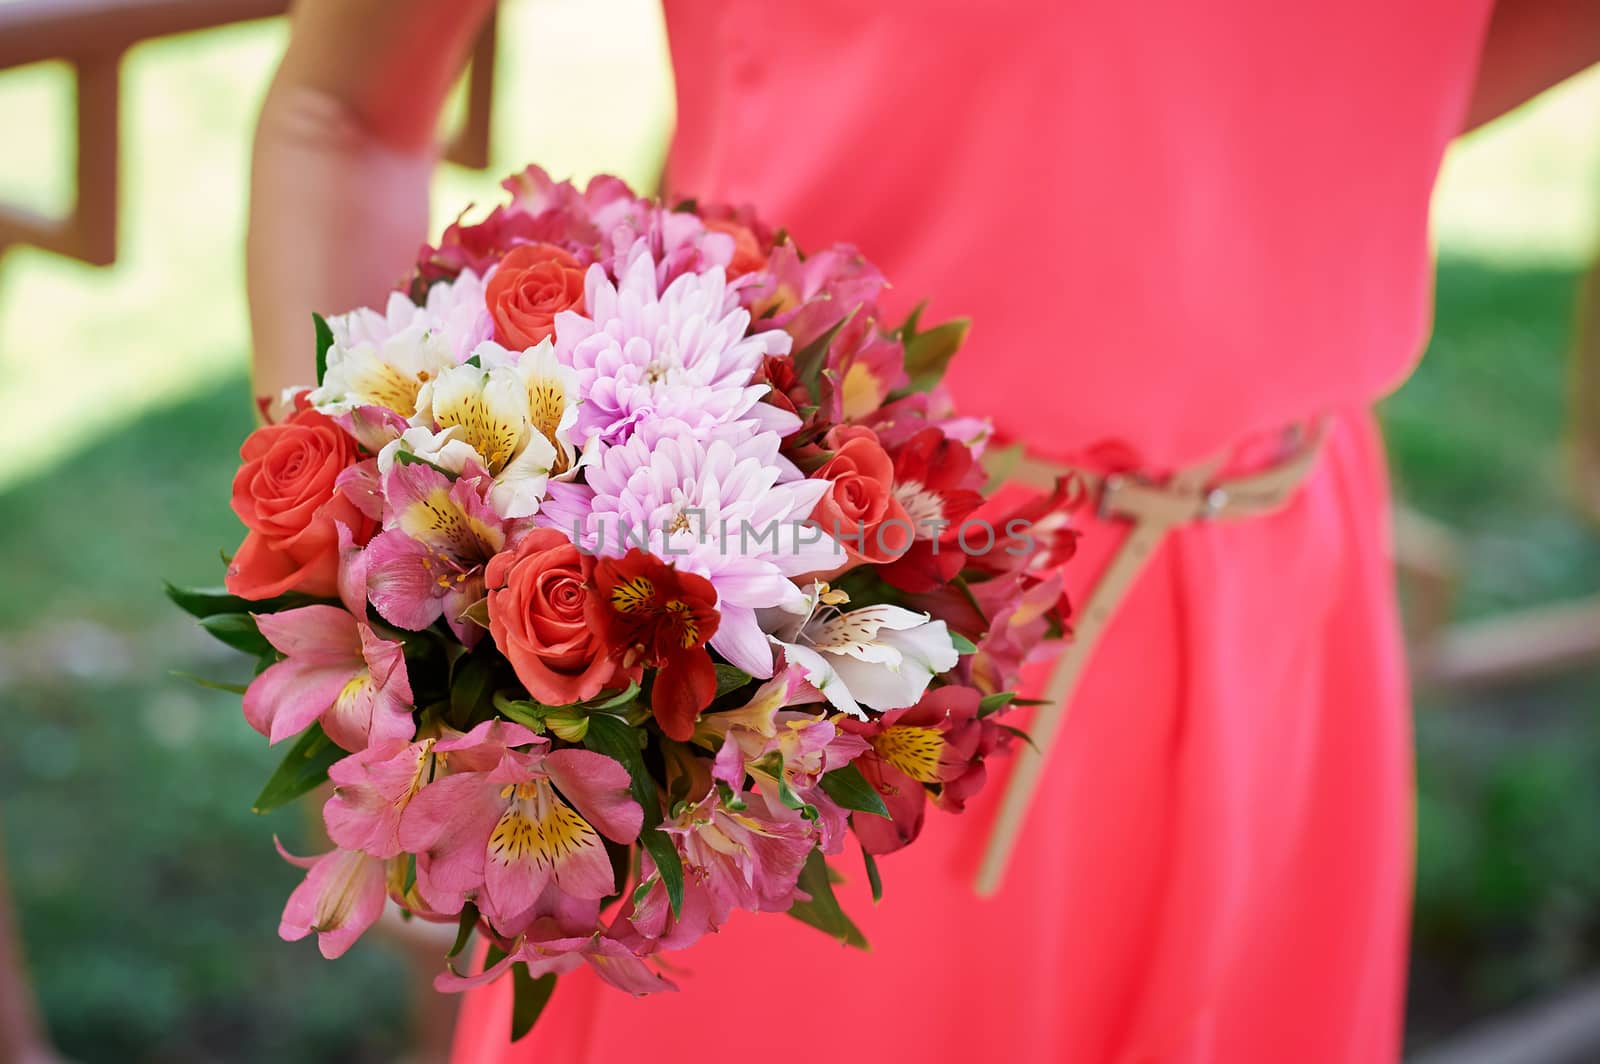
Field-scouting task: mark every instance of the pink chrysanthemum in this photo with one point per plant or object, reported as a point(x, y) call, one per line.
point(725, 505)
point(668, 361)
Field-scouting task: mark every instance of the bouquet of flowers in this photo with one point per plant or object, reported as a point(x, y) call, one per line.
point(618, 571)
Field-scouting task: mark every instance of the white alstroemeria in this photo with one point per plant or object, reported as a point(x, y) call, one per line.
point(879, 656)
point(496, 409)
point(552, 403)
point(444, 449)
point(386, 359)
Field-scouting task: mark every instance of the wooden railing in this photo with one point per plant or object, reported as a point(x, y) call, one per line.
point(92, 36)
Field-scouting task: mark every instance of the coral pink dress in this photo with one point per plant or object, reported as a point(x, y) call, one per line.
point(1176, 226)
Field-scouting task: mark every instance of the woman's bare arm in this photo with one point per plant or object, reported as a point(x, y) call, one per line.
point(1532, 45)
point(344, 151)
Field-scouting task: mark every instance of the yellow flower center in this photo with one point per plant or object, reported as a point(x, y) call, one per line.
point(912, 749)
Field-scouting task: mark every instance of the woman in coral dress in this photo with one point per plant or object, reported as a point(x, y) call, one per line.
point(1179, 228)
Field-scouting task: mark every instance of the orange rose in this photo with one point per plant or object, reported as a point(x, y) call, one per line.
point(860, 509)
point(537, 595)
point(747, 254)
point(534, 283)
point(285, 495)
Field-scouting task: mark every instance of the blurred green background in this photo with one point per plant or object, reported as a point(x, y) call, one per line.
point(148, 892)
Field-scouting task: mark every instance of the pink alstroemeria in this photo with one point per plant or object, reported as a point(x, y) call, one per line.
point(336, 669)
point(1019, 633)
point(563, 933)
point(864, 365)
point(807, 297)
point(647, 924)
point(371, 792)
point(429, 560)
point(534, 819)
point(785, 752)
point(745, 858)
point(341, 896)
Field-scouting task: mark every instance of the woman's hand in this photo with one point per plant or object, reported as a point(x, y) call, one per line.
point(344, 152)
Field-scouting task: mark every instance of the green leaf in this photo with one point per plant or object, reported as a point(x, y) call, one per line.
point(928, 353)
point(302, 768)
point(995, 703)
point(621, 857)
point(808, 361)
point(788, 797)
point(664, 852)
point(215, 685)
point(324, 341)
point(615, 739)
point(850, 788)
point(204, 601)
point(961, 584)
point(528, 714)
point(464, 929)
point(477, 613)
point(530, 996)
point(611, 737)
point(239, 631)
point(872, 874)
point(407, 458)
point(208, 601)
point(621, 698)
point(909, 326)
point(470, 686)
point(822, 911)
point(730, 678)
point(963, 644)
point(1018, 733)
point(569, 724)
point(1000, 463)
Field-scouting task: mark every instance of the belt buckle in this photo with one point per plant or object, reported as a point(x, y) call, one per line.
point(1105, 507)
point(1212, 502)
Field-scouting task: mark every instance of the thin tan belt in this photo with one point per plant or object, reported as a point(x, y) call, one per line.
point(1152, 509)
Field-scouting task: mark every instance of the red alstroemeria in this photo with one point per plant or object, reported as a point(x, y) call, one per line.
point(936, 481)
point(1042, 524)
point(650, 613)
point(939, 742)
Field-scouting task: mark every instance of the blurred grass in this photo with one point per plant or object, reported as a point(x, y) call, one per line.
point(148, 891)
point(1508, 870)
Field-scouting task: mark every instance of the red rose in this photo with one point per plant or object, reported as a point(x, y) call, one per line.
point(534, 283)
point(860, 509)
point(537, 600)
point(285, 494)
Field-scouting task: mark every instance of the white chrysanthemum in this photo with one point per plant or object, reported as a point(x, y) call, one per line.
point(660, 364)
point(385, 359)
point(724, 505)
